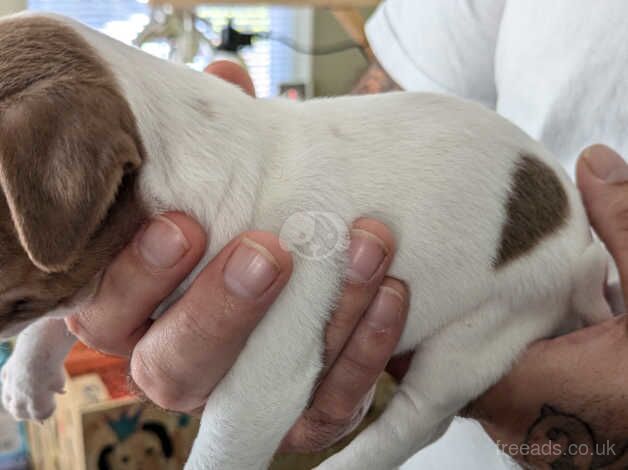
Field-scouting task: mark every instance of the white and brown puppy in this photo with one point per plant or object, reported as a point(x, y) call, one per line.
point(96, 136)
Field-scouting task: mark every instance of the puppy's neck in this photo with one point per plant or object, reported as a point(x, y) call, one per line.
point(205, 147)
point(207, 142)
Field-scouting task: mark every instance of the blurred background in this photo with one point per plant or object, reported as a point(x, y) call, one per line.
point(270, 62)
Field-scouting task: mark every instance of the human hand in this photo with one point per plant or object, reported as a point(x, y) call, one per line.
point(179, 359)
point(571, 393)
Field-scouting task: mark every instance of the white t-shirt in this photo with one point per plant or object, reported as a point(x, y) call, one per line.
point(558, 69)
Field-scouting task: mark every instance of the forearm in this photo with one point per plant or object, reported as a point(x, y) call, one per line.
point(375, 80)
point(564, 404)
point(564, 440)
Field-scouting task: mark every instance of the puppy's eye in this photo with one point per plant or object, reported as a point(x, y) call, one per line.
point(20, 305)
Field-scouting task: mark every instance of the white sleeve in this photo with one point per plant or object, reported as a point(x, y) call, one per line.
point(444, 46)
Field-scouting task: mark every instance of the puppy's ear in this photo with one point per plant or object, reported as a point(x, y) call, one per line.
point(64, 148)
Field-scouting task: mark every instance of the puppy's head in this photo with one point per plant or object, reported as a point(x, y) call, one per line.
point(69, 155)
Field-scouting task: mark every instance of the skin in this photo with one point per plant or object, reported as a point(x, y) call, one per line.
point(375, 80)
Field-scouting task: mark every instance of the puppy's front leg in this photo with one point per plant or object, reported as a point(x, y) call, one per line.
point(256, 403)
point(34, 372)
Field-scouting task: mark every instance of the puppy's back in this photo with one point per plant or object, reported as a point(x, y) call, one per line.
point(480, 208)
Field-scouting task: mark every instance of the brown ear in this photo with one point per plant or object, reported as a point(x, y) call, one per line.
point(64, 148)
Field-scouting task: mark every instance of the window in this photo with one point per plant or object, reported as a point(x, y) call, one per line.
point(269, 63)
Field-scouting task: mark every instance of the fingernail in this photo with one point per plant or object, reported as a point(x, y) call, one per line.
point(162, 244)
point(366, 253)
point(251, 269)
point(385, 310)
point(607, 164)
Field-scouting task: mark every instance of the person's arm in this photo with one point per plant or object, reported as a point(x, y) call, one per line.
point(565, 404)
point(438, 46)
point(375, 80)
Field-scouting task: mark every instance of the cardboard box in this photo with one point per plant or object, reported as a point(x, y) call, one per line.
point(92, 431)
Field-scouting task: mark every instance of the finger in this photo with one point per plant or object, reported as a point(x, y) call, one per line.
point(189, 349)
point(371, 252)
point(141, 276)
point(341, 396)
point(602, 177)
point(232, 72)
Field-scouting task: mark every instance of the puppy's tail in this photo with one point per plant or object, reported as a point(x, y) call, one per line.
point(588, 300)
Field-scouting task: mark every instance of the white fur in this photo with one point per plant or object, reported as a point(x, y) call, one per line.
point(34, 372)
point(437, 170)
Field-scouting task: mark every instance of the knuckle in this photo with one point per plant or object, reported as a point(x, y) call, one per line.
point(115, 279)
point(81, 327)
point(188, 322)
point(343, 320)
point(206, 327)
point(155, 382)
point(128, 269)
point(219, 325)
point(331, 408)
point(311, 441)
point(362, 364)
point(314, 435)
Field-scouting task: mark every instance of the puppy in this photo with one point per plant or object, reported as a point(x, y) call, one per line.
point(95, 137)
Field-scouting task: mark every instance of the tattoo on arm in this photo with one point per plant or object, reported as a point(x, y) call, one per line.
point(561, 441)
point(375, 80)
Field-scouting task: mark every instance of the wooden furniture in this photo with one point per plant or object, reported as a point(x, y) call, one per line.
point(345, 11)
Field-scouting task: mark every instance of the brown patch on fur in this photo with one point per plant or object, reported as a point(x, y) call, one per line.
point(537, 207)
point(69, 154)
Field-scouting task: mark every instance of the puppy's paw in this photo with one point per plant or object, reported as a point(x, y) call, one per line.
point(28, 391)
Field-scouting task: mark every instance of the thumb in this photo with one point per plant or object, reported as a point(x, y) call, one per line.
point(602, 176)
